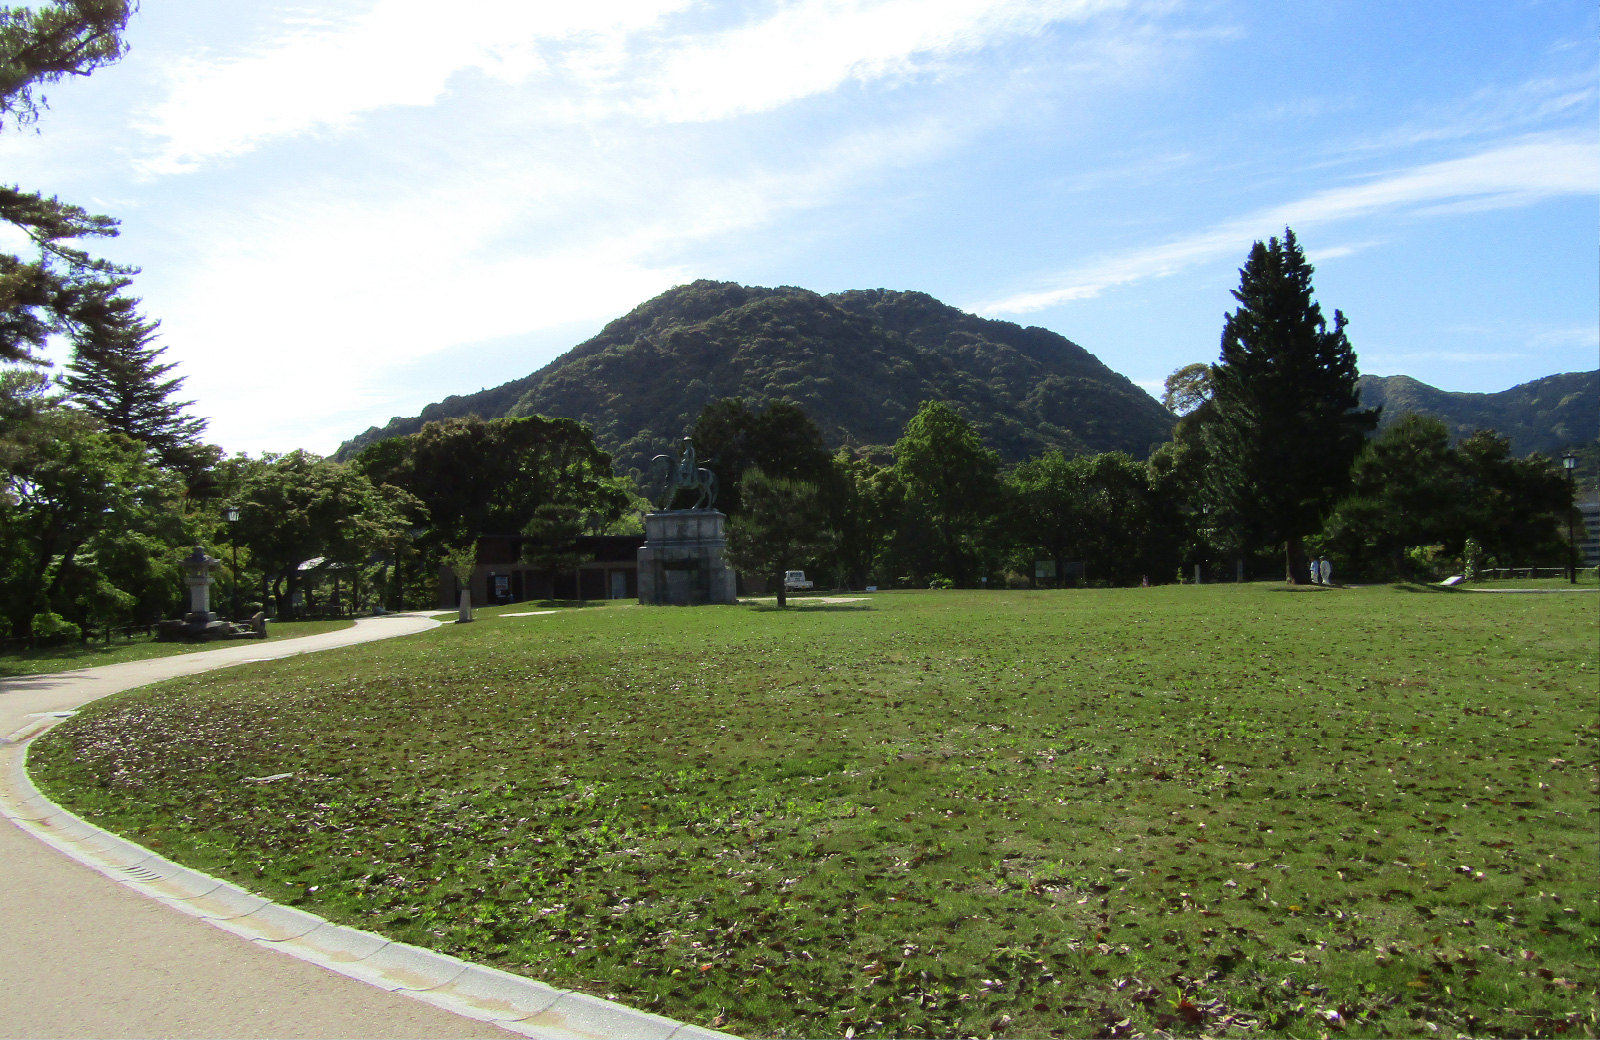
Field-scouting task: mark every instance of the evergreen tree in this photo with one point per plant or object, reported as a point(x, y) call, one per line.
point(784, 524)
point(65, 38)
point(63, 289)
point(117, 374)
point(953, 495)
point(1099, 509)
point(1287, 421)
point(782, 441)
point(865, 503)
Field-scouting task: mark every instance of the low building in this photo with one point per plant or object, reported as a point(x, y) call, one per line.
point(1589, 537)
point(610, 570)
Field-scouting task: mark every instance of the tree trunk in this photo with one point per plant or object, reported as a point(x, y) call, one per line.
point(783, 600)
point(1294, 558)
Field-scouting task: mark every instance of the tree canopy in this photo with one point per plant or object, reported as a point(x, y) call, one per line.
point(730, 437)
point(953, 496)
point(117, 374)
point(475, 477)
point(41, 45)
point(62, 289)
point(1287, 421)
point(783, 525)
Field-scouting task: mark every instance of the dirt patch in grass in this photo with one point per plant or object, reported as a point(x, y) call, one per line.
point(1197, 810)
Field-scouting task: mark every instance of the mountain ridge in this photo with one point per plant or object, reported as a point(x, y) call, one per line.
point(1544, 415)
point(859, 362)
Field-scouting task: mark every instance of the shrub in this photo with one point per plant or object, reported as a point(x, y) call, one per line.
point(50, 627)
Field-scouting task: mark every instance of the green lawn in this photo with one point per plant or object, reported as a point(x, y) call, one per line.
point(93, 654)
point(1213, 809)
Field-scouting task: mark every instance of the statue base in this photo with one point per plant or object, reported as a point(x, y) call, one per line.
point(203, 626)
point(681, 562)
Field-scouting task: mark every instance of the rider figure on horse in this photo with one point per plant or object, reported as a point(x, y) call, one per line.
point(686, 473)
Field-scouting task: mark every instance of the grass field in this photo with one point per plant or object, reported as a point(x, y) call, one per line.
point(94, 654)
point(1199, 810)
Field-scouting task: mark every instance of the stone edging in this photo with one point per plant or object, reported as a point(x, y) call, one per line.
point(485, 994)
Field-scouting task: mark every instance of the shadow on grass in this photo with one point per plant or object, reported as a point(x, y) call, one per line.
point(808, 608)
point(1409, 586)
point(496, 609)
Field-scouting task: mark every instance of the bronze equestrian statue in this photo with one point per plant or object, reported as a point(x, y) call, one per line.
point(684, 473)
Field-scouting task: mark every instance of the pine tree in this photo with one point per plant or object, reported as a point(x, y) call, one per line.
point(118, 375)
point(65, 38)
point(784, 525)
point(1287, 420)
point(63, 289)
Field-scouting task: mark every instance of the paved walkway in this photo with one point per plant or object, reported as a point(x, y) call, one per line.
point(81, 955)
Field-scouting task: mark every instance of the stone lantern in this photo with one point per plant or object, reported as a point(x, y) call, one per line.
point(200, 623)
point(197, 569)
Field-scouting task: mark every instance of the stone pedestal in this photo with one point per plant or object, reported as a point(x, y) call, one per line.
point(681, 560)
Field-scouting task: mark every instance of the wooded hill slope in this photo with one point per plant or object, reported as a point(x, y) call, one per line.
point(858, 362)
point(1545, 415)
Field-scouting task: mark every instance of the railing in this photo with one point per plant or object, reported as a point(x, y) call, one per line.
point(1522, 572)
point(103, 634)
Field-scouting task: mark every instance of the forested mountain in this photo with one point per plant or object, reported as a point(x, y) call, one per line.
point(1545, 415)
point(858, 362)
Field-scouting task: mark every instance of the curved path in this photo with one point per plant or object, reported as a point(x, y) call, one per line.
point(88, 952)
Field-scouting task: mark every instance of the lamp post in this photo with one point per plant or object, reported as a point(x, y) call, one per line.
point(233, 540)
point(412, 534)
point(1569, 463)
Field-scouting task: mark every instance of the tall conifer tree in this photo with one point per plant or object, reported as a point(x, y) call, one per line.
point(117, 373)
point(1287, 420)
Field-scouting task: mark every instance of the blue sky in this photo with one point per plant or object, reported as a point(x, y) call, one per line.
point(347, 209)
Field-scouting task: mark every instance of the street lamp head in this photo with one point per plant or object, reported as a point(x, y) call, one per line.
point(1569, 462)
point(233, 514)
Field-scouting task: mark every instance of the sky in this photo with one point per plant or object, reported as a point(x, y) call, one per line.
point(346, 209)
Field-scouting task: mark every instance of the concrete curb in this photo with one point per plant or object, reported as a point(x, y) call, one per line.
point(473, 991)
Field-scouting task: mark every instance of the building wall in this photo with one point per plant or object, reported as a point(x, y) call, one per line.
point(1589, 537)
point(611, 572)
point(521, 583)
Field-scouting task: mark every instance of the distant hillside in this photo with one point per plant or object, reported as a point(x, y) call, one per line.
point(858, 362)
point(1545, 415)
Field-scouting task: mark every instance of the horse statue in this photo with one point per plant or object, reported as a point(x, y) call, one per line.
point(683, 472)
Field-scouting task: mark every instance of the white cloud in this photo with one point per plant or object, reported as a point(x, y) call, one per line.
point(1343, 249)
point(1514, 174)
point(585, 61)
point(398, 52)
point(1568, 336)
point(813, 47)
point(337, 288)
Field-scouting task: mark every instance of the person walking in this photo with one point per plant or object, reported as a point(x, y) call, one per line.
point(1325, 565)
